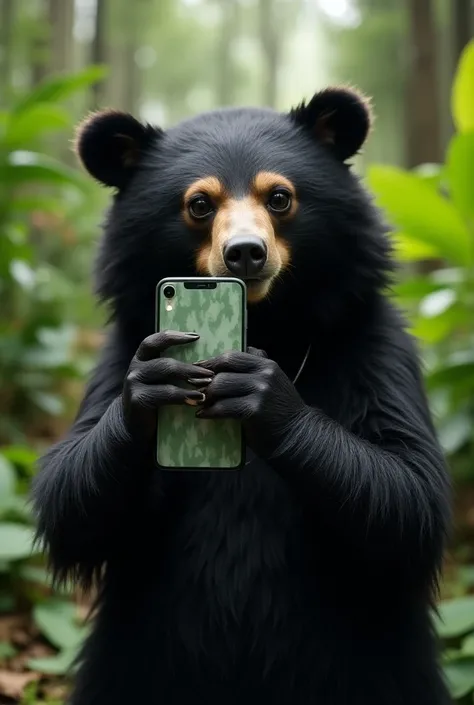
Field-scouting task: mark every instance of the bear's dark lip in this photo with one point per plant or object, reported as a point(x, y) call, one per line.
point(256, 282)
point(262, 279)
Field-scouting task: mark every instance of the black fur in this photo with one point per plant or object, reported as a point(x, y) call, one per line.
point(110, 144)
point(308, 576)
point(339, 117)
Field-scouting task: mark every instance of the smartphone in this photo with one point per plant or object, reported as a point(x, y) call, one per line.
point(216, 309)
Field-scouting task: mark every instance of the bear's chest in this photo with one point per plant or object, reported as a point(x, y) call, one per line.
point(234, 556)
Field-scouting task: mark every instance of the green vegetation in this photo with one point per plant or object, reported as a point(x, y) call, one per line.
point(432, 208)
point(45, 212)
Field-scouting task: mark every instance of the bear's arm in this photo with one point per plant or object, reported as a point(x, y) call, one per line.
point(382, 486)
point(89, 481)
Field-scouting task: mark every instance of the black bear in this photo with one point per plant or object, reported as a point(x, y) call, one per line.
point(309, 575)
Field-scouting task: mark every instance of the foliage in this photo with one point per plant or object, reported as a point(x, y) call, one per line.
point(57, 621)
point(22, 574)
point(432, 208)
point(455, 625)
point(40, 286)
point(44, 309)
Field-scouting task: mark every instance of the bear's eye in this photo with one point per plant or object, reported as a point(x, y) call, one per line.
point(200, 207)
point(280, 201)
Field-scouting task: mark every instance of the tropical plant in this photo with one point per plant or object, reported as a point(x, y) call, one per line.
point(41, 289)
point(432, 208)
point(47, 209)
point(455, 626)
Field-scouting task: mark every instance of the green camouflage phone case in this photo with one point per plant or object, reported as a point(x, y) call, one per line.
point(218, 316)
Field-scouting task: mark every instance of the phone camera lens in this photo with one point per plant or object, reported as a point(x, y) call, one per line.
point(169, 292)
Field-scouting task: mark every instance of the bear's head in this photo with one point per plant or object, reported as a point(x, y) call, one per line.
point(248, 192)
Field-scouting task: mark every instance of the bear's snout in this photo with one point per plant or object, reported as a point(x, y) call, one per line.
point(245, 256)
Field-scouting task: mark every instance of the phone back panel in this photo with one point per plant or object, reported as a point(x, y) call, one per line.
point(218, 316)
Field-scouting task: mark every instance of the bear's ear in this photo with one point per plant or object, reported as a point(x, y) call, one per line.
point(338, 117)
point(110, 144)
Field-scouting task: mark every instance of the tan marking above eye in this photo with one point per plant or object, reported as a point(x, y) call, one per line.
point(267, 181)
point(209, 186)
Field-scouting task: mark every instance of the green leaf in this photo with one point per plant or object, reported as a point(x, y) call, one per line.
point(56, 619)
point(21, 456)
point(431, 174)
point(7, 479)
point(462, 97)
point(23, 274)
point(6, 650)
point(55, 206)
point(459, 673)
point(450, 375)
point(455, 617)
point(60, 87)
point(408, 249)
point(420, 213)
point(35, 574)
point(58, 665)
point(31, 124)
point(26, 167)
point(434, 329)
point(30, 695)
point(52, 404)
point(466, 576)
point(460, 170)
point(449, 276)
point(16, 541)
point(7, 603)
point(18, 510)
point(415, 289)
point(468, 645)
point(437, 302)
point(455, 431)
point(4, 118)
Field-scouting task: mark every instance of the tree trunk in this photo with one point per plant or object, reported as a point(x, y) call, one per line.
point(131, 75)
point(6, 48)
point(39, 47)
point(270, 49)
point(422, 108)
point(131, 79)
point(225, 75)
point(99, 51)
point(462, 26)
point(61, 18)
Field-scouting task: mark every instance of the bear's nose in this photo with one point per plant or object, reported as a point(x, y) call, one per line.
point(245, 255)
